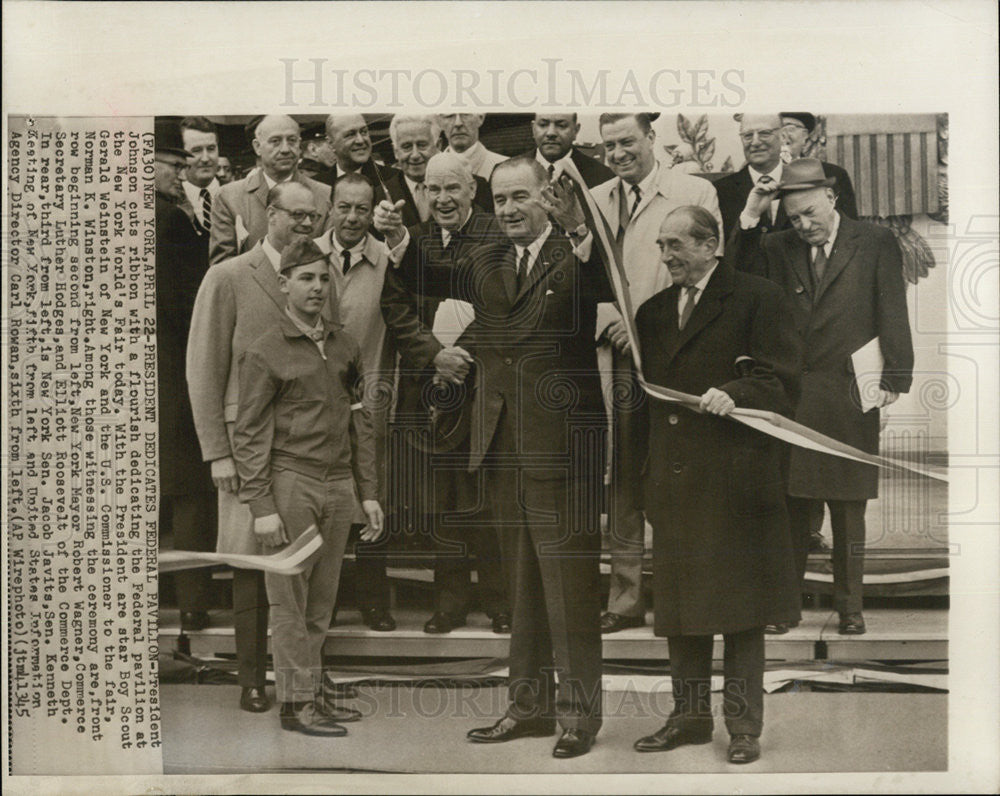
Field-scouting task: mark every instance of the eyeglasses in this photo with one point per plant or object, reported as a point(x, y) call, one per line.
point(180, 168)
point(763, 135)
point(299, 215)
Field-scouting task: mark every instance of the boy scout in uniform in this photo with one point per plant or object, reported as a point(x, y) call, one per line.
point(303, 444)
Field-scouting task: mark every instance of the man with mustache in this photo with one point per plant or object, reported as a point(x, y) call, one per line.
point(462, 132)
point(634, 203)
point(424, 329)
point(237, 302)
point(414, 143)
point(239, 212)
point(554, 134)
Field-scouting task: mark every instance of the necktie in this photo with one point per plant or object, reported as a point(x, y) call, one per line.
point(819, 263)
point(552, 171)
point(347, 261)
point(623, 214)
point(522, 270)
point(691, 291)
point(635, 204)
point(768, 217)
point(420, 198)
point(206, 209)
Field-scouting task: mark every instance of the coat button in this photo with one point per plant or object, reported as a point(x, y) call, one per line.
point(508, 361)
point(672, 420)
point(677, 467)
point(799, 289)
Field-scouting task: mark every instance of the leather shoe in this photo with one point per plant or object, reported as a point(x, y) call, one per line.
point(670, 737)
point(442, 622)
point(307, 720)
point(501, 623)
point(612, 622)
point(194, 620)
point(334, 690)
point(818, 545)
point(777, 629)
point(254, 700)
point(851, 625)
point(573, 743)
point(378, 619)
point(509, 729)
point(328, 708)
point(743, 749)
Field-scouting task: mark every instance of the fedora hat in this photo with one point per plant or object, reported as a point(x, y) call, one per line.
point(803, 174)
point(167, 136)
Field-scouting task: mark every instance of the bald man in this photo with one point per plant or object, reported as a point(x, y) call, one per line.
point(239, 212)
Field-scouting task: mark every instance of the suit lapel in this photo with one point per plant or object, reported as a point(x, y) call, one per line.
point(257, 188)
point(264, 275)
point(797, 253)
point(543, 264)
point(843, 249)
point(706, 310)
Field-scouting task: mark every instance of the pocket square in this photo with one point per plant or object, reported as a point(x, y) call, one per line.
point(549, 292)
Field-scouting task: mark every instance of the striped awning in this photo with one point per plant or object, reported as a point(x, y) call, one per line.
point(892, 161)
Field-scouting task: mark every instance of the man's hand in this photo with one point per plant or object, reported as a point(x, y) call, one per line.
point(453, 364)
point(376, 521)
point(224, 474)
point(618, 336)
point(717, 402)
point(560, 202)
point(886, 397)
point(270, 530)
point(760, 198)
point(388, 220)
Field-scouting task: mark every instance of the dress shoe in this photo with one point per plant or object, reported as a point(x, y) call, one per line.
point(327, 707)
point(334, 690)
point(743, 749)
point(378, 619)
point(777, 629)
point(501, 623)
point(573, 743)
point(818, 545)
point(612, 622)
point(194, 620)
point(307, 720)
point(669, 737)
point(852, 625)
point(442, 622)
point(254, 700)
point(508, 729)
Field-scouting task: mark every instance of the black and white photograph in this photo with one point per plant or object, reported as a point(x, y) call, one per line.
point(492, 417)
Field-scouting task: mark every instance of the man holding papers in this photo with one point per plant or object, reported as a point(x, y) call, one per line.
point(846, 284)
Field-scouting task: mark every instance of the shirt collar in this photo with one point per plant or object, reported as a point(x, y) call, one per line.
point(828, 246)
point(534, 247)
point(774, 174)
point(272, 253)
point(645, 185)
point(559, 164)
point(356, 250)
point(701, 283)
point(271, 183)
point(303, 327)
point(447, 234)
point(413, 185)
point(194, 192)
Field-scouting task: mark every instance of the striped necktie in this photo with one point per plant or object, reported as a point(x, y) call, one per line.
point(206, 209)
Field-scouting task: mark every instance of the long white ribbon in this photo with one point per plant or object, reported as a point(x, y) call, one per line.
point(288, 561)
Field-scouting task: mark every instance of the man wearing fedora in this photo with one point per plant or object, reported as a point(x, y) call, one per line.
point(762, 136)
point(845, 280)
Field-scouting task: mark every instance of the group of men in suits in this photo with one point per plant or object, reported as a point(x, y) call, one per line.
point(744, 293)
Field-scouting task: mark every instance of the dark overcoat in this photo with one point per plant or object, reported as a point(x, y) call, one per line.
point(181, 262)
point(861, 296)
point(722, 551)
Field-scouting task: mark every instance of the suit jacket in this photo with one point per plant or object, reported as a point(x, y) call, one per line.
point(238, 301)
point(641, 256)
point(861, 296)
point(239, 214)
point(181, 262)
point(591, 169)
point(722, 555)
point(398, 189)
point(733, 190)
point(535, 363)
